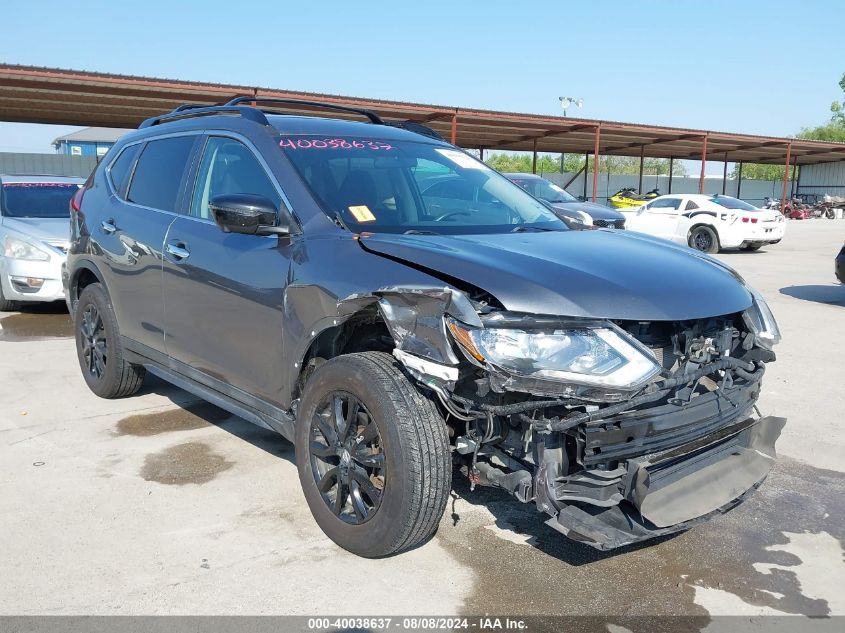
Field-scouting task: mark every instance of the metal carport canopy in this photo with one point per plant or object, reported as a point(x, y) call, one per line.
point(50, 95)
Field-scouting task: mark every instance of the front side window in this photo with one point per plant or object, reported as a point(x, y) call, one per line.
point(665, 203)
point(411, 187)
point(159, 172)
point(228, 166)
point(36, 199)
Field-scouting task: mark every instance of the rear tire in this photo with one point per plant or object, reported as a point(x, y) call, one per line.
point(7, 306)
point(98, 347)
point(372, 454)
point(704, 239)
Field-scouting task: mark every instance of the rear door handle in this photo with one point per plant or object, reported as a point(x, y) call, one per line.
point(178, 250)
point(108, 226)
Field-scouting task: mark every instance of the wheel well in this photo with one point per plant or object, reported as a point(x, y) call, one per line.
point(83, 279)
point(700, 224)
point(364, 331)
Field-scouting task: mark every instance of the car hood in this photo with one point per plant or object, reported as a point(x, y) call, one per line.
point(43, 229)
point(594, 210)
point(578, 273)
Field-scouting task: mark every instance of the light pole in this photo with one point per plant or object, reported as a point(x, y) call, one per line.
point(566, 103)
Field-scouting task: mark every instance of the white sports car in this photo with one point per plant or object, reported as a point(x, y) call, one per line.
point(708, 222)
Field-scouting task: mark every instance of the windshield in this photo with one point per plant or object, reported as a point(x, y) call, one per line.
point(409, 187)
point(545, 190)
point(37, 199)
point(733, 203)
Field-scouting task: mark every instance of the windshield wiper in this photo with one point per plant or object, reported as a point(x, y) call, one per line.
point(524, 228)
point(420, 232)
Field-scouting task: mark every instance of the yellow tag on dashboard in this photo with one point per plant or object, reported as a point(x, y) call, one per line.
point(362, 213)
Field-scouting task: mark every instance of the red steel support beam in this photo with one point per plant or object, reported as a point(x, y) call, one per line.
point(534, 158)
point(454, 128)
point(596, 162)
point(786, 175)
point(703, 165)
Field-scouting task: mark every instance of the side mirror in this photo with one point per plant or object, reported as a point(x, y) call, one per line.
point(246, 213)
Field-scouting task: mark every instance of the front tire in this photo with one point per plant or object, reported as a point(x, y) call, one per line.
point(7, 306)
point(372, 454)
point(98, 347)
point(704, 239)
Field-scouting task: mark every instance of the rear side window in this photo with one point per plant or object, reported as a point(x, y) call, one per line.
point(159, 172)
point(121, 168)
point(690, 205)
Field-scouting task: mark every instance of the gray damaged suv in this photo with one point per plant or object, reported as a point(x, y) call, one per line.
point(302, 273)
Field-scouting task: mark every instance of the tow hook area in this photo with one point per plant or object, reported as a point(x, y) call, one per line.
point(661, 493)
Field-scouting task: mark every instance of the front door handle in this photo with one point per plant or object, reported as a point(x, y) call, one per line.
point(108, 226)
point(178, 251)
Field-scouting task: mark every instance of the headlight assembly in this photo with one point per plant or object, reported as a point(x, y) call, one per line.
point(761, 321)
point(19, 249)
point(596, 355)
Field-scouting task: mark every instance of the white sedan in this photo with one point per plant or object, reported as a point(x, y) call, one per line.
point(708, 222)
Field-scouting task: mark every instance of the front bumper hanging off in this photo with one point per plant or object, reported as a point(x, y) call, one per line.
point(663, 492)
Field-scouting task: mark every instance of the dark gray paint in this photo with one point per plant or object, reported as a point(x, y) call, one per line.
point(245, 309)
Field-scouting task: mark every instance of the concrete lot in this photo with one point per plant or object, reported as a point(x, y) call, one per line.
point(160, 504)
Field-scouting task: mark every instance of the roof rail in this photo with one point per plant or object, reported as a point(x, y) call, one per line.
point(372, 116)
point(188, 111)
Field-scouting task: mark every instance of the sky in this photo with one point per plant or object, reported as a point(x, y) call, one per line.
point(751, 66)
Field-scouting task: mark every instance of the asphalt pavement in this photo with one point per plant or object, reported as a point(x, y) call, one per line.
point(160, 504)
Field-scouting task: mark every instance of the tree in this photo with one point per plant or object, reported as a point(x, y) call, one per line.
point(755, 171)
point(838, 108)
point(521, 162)
point(831, 132)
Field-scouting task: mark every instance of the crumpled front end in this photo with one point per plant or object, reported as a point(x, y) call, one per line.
point(619, 431)
point(661, 493)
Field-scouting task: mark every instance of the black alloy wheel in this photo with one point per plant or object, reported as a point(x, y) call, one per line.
point(95, 349)
point(347, 457)
point(704, 239)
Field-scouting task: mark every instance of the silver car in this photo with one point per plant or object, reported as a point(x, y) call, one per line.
point(34, 225)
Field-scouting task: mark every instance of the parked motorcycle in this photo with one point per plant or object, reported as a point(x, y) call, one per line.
point(826, 207)
point(795, 209)
point(628, 198)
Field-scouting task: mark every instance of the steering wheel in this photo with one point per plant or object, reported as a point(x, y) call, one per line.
point(450, 214)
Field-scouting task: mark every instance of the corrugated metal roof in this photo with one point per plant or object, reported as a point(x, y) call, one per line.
point(93, 135)
point(50, 95)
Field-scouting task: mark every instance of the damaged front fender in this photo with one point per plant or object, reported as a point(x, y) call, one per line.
point(415, 317)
